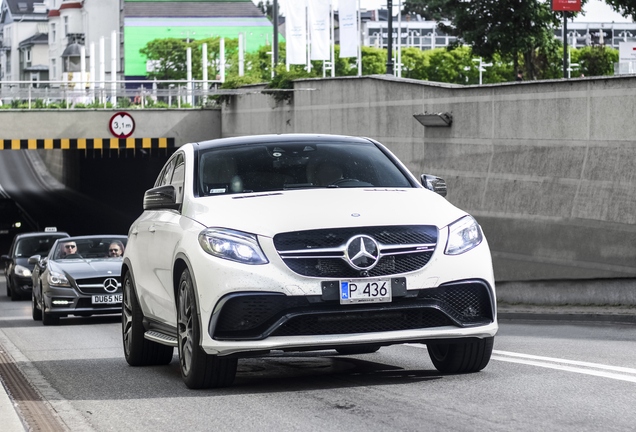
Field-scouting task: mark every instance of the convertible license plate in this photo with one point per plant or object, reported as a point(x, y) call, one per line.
point(107, 299)
point(365, 291)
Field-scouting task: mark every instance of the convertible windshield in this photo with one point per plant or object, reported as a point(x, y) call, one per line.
point(89, 248)
point(273, 167)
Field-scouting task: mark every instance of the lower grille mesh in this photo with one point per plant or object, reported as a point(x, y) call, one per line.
point(256, 316)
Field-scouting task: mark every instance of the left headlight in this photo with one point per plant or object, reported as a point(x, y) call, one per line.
point(463, 235)
point(22, 271)
point(232, 245)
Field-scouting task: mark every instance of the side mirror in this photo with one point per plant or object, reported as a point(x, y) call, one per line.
point(5, 258)
point(161, 198)
point(34, 260)
point(434, 184)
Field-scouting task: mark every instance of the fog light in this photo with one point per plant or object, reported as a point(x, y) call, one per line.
point(62, 302)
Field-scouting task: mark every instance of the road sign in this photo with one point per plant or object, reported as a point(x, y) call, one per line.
point(566, 5)
point(122, 125)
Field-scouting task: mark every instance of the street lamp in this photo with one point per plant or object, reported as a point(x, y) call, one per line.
point(481, 67)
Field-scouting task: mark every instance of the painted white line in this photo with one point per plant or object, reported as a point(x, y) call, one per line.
point(568, 369)
point(570, 362)
point(560, 364)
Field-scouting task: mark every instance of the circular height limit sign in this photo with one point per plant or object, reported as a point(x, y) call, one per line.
point(122, 125)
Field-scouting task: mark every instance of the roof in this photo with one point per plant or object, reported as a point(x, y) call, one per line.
point(37, 39)
point(19, 7)
point(60, 234)
point(191, 9)
point(280, 138)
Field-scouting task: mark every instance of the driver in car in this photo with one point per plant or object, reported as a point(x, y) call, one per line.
point(69, 248)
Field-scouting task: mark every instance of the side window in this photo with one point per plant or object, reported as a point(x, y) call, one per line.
point(179, 176)
point(166, 174)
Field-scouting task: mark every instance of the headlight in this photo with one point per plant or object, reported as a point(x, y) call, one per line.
point(58, 279)
point(232, 245)
point(463, 235)
point(22, 271)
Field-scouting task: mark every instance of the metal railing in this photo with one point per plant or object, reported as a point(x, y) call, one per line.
point(109, 94)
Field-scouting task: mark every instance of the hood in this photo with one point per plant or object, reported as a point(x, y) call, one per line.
point(82, 269)
point(270, 213)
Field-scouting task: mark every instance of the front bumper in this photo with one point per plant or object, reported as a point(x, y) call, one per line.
point(21, 285)
point(266, 321)
point(77, 304)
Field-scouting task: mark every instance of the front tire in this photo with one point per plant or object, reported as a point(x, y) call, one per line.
point(198, 369)
point(464, 357)
point(138, 350)
point(35, 312)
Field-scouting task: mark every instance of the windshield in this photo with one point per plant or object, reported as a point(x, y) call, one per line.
point(90, 248)
point(30, 246)
point(272, 167)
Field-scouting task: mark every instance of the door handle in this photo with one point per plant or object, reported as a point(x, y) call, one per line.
point(152, 229)
point(134, 231)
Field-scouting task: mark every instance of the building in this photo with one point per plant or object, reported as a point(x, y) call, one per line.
point(145, 21)
point(23, 29)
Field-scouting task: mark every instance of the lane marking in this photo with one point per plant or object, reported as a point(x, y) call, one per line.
point(595, 369)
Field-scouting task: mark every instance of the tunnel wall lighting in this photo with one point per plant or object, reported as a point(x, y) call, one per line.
point(443, 119)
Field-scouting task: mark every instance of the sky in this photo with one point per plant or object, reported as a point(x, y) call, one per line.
point(595, 10)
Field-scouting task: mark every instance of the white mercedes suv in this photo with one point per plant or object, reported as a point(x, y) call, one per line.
point(301, 242)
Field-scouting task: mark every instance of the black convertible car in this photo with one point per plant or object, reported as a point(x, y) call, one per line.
point(80, 276)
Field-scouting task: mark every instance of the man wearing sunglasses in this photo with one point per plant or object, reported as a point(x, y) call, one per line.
point(69, 250)
point(116, 249)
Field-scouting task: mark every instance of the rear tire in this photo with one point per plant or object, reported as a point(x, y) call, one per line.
point(464, 357)
point(358, 349)
point(198, 369)
point(138, 350)
point(35, 312)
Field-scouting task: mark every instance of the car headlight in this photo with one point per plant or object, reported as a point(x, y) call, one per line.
point(22, 271)
point(58, 280)
point(463, 235)
point(232, 245)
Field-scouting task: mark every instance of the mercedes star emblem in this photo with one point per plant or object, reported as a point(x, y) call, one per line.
point(111, 285)
point(362, 252)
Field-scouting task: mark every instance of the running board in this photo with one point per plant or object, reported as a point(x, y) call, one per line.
point(161, 338)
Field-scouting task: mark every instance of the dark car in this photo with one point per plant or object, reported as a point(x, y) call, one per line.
point(80, 276)
point(16, 267)
point(13, 220)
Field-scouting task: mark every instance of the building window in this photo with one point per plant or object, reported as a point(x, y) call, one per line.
point(53, 69)
point(28, 55)
point(65, 26)
point(53, 33)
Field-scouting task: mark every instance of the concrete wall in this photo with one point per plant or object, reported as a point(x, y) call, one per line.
point(183, 125)
point(546, 167)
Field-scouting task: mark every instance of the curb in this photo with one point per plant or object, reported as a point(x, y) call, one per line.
point(568, 317)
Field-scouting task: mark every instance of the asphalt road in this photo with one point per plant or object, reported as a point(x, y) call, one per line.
point(543, 376)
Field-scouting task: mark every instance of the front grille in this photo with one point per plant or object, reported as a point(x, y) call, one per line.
point(256, 316)
point(96, 285)
point(394, 242)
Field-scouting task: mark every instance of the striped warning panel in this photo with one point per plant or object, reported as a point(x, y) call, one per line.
point(86, 143)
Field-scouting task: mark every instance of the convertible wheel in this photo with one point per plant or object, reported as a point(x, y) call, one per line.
point(461, 357)
point(138, 350)
point(35, 312)
point(198, 369)
point(358, 349)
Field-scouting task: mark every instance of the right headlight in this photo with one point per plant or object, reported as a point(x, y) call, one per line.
point(232, 245)
point(22, 271)
point(57, 279)
point(463, 235)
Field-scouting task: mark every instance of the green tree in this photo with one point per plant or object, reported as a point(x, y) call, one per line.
point(168, 57)
point(627, 8)
point(597, 60)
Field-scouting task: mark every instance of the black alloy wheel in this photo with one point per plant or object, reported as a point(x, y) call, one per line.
point(138, 350)
point(464, 357)
point(198, 369)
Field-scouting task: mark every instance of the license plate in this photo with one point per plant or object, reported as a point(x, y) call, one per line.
point(365, 291)
point(107, 299)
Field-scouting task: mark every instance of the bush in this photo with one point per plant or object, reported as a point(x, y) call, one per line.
point(5, 106)
point(161, 105)
point(53, 106)
point(79, 106)
point(123, 102)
